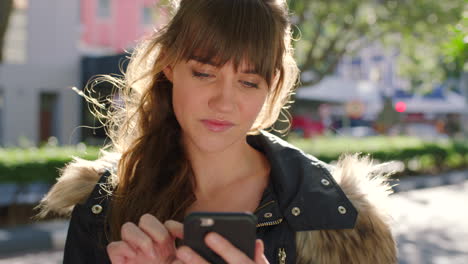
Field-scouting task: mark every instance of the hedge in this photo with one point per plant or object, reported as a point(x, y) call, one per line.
point(417, 155)
point(39, 164)
point(42, 164)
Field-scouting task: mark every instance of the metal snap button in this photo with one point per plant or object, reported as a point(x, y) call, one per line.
point(325, 182)
point(341, 209)
point(96, 209)
point(268, 215)
point(296, 211)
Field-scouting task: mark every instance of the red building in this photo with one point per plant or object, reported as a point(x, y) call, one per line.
point(113, 26)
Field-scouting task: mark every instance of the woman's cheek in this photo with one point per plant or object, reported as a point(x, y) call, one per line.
point(254, 109)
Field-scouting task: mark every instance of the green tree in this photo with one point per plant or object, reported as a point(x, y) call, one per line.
point(432, 54)
point(6, 7)
point(455, 50)
point(329, 29)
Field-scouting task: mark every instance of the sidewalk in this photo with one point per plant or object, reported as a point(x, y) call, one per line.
point(36, 237)
point(428, 181)
point(51, 235)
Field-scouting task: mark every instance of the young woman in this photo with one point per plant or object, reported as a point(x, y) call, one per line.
point(191, 137)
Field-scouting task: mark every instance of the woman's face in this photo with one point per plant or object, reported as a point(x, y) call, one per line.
point(215, 107)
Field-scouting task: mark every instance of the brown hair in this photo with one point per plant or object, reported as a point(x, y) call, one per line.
point(154, 175)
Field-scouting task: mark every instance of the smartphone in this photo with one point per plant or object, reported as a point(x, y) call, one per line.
point(237, 227)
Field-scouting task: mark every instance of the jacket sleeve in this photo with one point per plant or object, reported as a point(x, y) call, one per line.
point(84, 243)
point(86, 240)
point(371, 240)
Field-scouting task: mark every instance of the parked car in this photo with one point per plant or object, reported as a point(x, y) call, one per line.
point(306, 126)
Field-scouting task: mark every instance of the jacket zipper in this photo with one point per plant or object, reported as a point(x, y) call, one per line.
point(271, 223)
point(281, 256)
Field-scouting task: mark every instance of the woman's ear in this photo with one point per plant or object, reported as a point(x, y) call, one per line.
point(168, 72)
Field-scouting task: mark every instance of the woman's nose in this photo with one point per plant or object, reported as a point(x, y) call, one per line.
point(223, 99)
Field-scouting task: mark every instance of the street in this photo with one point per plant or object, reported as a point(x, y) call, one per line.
point(430, 225)
point(47, 257)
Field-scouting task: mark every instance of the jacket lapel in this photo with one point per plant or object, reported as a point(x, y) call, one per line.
point(308, 196)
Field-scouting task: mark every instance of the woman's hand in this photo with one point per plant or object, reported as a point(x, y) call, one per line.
point(149, 242)
point(224, 249)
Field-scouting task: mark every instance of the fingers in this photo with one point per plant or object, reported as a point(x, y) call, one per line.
point(176, 229)
point(187, 255)
point(164, 241)
point(259, 252)
point(151, 238)
point(225, 249)
point(153, 228)
point(137, 238)
point(119, 252)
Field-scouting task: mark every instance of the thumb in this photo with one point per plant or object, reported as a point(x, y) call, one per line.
point(259, 250)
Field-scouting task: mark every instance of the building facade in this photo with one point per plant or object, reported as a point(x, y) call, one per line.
point(40, 67)
point(44, 47)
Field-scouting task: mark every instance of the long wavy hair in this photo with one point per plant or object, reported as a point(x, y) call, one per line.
point(153, 174)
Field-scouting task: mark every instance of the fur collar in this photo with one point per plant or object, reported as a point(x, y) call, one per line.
point(76, 182)
point(371, 240)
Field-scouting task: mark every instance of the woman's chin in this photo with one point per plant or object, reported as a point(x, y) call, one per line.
point(214, 143)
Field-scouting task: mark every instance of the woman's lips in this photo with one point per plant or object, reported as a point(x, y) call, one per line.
point(217, 125)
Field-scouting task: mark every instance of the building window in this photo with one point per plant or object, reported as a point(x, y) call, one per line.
point(147, 15)
point(103, 8)
point(48, 116)
point(13, 31)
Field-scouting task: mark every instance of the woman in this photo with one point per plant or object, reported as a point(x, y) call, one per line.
point(190, 137)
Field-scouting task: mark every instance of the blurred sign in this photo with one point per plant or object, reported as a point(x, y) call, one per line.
point(355, 109)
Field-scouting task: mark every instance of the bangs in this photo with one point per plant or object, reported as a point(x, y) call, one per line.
point(217, 31)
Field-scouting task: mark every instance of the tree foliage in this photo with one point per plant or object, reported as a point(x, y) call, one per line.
point(327, 30)
point(455, 49)
point(436, 51)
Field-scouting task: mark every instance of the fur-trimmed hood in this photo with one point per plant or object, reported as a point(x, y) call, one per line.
point(355, 192)
point(77, 179)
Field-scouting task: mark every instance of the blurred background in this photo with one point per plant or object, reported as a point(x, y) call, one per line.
point(387, 78)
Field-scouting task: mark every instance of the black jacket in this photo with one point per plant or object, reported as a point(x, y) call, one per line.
point(302, 196)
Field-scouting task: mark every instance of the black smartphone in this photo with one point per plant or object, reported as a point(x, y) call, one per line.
point(237, 227)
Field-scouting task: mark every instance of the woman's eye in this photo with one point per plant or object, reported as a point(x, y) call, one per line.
point(249, 84)
point(200, 74)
